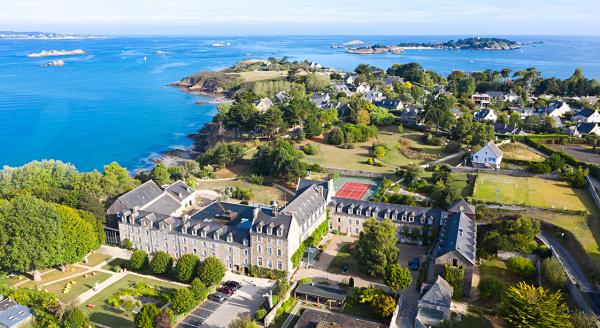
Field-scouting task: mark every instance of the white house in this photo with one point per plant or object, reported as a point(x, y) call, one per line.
point(488, 156)
point(583, 129)
point(587, 115)
point(556, 108)
point(373, 96)
point(481, 99)
point(320, 98)
point(264, 104)
point(363, 87)
point(485, 115)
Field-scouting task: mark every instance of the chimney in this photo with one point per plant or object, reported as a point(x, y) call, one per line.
point(179, 194)
point(321, 191)
point(255, 213)
point(186, 218)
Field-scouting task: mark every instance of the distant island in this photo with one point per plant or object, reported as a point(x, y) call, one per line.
point(466, 44)
point(51, 53)
point(43, 36)
point(57, 62)
point(375, 49)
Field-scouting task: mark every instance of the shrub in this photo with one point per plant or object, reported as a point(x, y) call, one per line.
point(383, 305)
point(537, 167)
point(199, 290)
point(581, 319)
point(74, 318)
point(304, 281)
point(183, 301)
point(491, 288)
point(161, 263)
point(145, 318)
point(452, 147)
point(186, 267)
point(379, 150)
point(164, 319)
point(117, 268)
point(260, 314)
point(310, 149)
point(242, 194)
point(335, 136)
point(255, 179)
point(455, 275)
point(211, 271)
point(127, 244)
point(521, 266)
point(139, 259)
point(554, 272)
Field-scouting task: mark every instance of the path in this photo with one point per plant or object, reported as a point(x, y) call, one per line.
point(533, 149)
point(277, 185)
point(443, 159)
point(292, 315)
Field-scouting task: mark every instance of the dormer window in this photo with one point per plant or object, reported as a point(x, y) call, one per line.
point(269, 230)
point(203, 233)
point(280, 231)
point(216, 235)
point(193, 232)
point(230, 238)
point(259, 228)
point(245, 242)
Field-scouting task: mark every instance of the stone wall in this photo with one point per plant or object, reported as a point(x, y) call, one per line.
point(359, 174)
point(593, 192)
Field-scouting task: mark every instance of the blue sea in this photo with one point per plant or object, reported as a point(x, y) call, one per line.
point(114, 102)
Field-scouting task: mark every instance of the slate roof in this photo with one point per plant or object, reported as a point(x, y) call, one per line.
point(389, 104)
point(586, 112)
point(305, 204)
point(322, 291)
point(312, 318)
point(492, 146)
point(481, 114)
point(165, 204)
point(439, 294)
point(461, 206)
point(458, 233)
point(319, 98)
point(586, 128)
point(304, 184)
point(13, 314)
point(137, 197)
point(179, 190)
point(421, 214)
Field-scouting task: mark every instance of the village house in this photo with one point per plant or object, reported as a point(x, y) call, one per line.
point(263, 104)
point(13, 314)
point(341, 87)
point(501, 128)
point(363, 88)
point(510, 96)
point(488, 156)
point(434, 305)
point(484, 115)
point(282, 96)
point(320, 98)
point(410, 115)
point(586, 115)
point(583, 129)
point(373, 96)
point(481, 99)
point(556, 109)
point(456, 112)
point(524, 112)
point(389, 104)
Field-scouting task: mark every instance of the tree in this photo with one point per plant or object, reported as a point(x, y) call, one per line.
point(138, 260)
point(313, 126)
point(512, 235)
point(582, 319)
point(525, 305)
point(243, 322)
point(376, 246)
point(199, 290)
point(397, 277)
point(514, 119)
point(74, 318)
point(145, 318)
point(466, 87)
point(438, 112)
point(33, 238)
point(455, 276)
point(160, 174)
point(183, 301)
point(116, 179)
point(271, 121)
point(279, 159)
point(211, 271)
point(384, 305)
point(79, 235)
point(335, 136)
point(164, 319)
point(491, 288)
point(161, 263)
point(554, 272)
point(241, 116)
point(186, 266)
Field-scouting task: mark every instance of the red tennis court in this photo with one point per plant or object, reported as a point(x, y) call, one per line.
point(353, 190)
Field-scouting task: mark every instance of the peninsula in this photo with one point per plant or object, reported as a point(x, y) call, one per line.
point(465, 44)
point(51, 53)
point(375, 50)
point(43, 36)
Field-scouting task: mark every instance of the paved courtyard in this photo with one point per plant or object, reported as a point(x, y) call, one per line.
point(244, 302)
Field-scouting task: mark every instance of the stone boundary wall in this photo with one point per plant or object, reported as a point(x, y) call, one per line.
point(270, 317)
point(593, 192)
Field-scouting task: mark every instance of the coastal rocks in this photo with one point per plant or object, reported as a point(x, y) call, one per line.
point(57, 62)
point(51, 53)
point(213, 83)
point(220, 44)
point(375, 50)
point(352, 43)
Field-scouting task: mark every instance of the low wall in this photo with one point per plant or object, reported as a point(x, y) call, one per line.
point(270, 317)
point(516, 173)
point(593, 192)
point(359, 174)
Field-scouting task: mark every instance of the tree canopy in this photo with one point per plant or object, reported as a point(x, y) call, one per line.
point(376, 246)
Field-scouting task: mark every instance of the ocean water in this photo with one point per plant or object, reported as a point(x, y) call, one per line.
point(111, 104)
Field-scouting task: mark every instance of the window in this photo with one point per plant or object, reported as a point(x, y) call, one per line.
point(269, 251)
point(357, 222)
point(279, 252)
point(259, 261)
point(245, 242)
point(270, 263)
point(279, 265)
point(212, 245)
point(269, 240)
point(339, 220)
point(269, 230)
point(259, 249)
point(245, 252)
point(279, 242)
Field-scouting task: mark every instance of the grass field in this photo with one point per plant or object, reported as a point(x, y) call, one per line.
point(529, 191)
point(262, 194)
point(82, 283)
point(344, 256)
point(112, 317)
point(519, 151)
point(53, 274)
point(95, 259)
point(252, 76)
point(391, 137)
point(497, 269)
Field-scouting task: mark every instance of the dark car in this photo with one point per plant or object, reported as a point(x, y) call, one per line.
point(345, 268)
point(414, 264)
point(218, 297)
point(232, 284)
point(226, 290)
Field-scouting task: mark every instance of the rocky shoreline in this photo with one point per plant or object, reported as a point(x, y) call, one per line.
point(51, 53)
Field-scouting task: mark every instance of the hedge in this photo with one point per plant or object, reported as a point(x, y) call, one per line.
point(312, 240)
point(594, 168)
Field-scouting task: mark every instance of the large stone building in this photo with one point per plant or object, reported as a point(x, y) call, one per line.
point(156, 219)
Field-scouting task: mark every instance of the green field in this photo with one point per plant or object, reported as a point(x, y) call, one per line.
point(529, 191)
point(112, 317)
point(79, 285)
point(519, 151)
point(497, 268)
point(344, 256)
point(95, 259)
point(261, 194)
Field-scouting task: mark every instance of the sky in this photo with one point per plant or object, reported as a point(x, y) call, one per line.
point(297, 17)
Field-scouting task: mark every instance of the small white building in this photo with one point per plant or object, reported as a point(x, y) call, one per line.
point(488, 156)
point(263, 105)
point(556, 108)
point(363, 87)
point(483, 115)
point(587, 115)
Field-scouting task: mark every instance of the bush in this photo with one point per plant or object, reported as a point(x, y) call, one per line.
point(139, 259)
point(145, 318)
point(186, 267)
point(242, 194)
point(452, 147)
point(541, 168)
point(74, 318)
point(127, 244)
point(117, 268)
point(380, 150)
point(199, 290)
point(260, 314)
point(455, 275)
point(161, 263)
point(304, 281)
point(491, 288)
point(310, 149)
point(335, 136)
point(255, 179)
point(521, 266)
point(383, 305)
point(581, 319)
point(183, 301)
point(164, 319)
point(554, 272)
point(211, 271)
point(262, 272)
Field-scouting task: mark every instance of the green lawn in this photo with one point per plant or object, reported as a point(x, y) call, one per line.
point(530, 191)
point(519, 151)
point(361, 310)
point(262, 194)
point(123, 263)
point(391, 137)
point(472, 320)
point(112, 317)
point(53, 274)
point(497, 269)
point(82, 283)
point(344, 256)
point(95, 259)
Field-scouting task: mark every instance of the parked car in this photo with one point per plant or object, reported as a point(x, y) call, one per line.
point(226, 290)
point(218, 297)
point(414, 264)
point(345, 268)
point(232, 284)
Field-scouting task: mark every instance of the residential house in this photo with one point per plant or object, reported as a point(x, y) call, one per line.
point(587, 115)
point(481, 99)
point(373, 96)
point(488, 156)
point(389, 80)
point(410, 115)
point(282, 96)
point(583, 129)
point(13, 314)
point(483, 115)
point(510, 96)
point(501, 128)
point(363, 87)
point(389, 104)
point(457, 246)
point(320, 98)
point(456, 112)
point(263, 104)
point(341, 87)
point(434, 305)
point(524, 112)
point(556, 109)
point(350, 78)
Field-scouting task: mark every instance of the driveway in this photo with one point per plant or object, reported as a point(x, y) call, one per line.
point(410, 296)
point(244, 302)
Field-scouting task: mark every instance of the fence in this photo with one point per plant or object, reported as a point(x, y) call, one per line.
point(516, 173)
point(593, 192)
point(360, 174)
